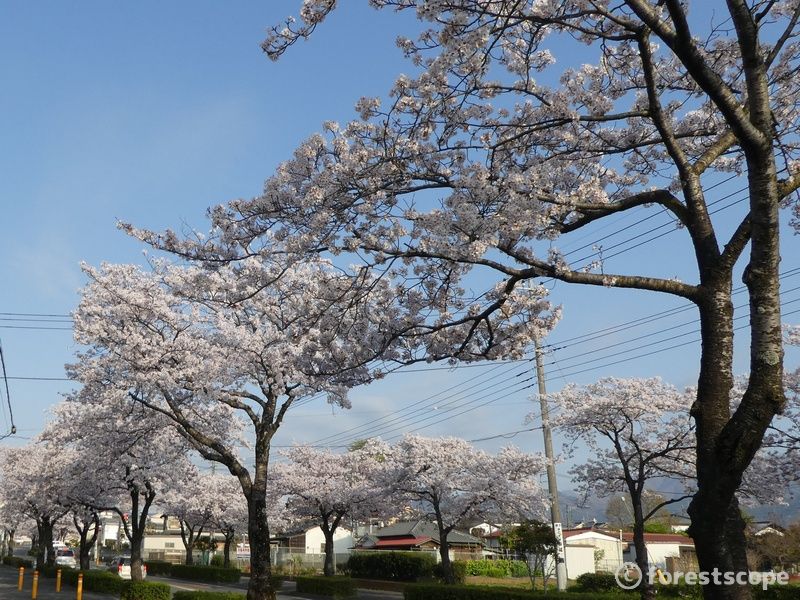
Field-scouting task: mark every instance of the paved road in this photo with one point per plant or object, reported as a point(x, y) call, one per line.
point(287, 592)
point(47, 587)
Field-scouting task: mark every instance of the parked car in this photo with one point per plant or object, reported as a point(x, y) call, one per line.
point(121, 565)
point(66, 558)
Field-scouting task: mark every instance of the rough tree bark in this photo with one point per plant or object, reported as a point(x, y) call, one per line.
point(86, 543)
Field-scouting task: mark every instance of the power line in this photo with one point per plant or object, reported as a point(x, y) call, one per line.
point(17, 314)
point(13, 428)
point(410, 419)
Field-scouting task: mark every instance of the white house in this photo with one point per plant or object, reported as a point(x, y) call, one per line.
point(661, 547)
point(607, 549)
point(312, 541)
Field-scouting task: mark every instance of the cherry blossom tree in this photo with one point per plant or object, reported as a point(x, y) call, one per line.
point(131, 456)
point(521, 151)
point(636, 431)
point(229, 511)
point(223, 353)
point(325, 487)
point(86, 522)
point(32, 481)
point(448, 481)
point(193, 504)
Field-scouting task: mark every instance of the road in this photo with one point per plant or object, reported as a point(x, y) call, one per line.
point(8, 589)
point(286, 592)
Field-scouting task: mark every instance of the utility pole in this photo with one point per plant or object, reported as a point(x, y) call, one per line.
point(552, 485)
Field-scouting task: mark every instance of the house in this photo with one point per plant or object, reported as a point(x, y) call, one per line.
point(661, 547)
point(770, 528)
point(588, 550)
point(312, 541)
point(422, 536)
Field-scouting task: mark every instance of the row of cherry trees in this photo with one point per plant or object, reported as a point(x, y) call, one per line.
point(442, 479)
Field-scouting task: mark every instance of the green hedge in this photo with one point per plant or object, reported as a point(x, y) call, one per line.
point(337, 587)
point(777, 592)
point(17, 562)
point(459, 571)
point(430, 591)
point(397, 566)
point(596, 582)
point(104, 582)
point(198, 595)
point(208, 574)
point(145, 590)
point(497, 568)
point(158, 567)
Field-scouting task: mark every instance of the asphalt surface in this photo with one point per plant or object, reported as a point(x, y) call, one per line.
point(287, 591)
point(47, 587)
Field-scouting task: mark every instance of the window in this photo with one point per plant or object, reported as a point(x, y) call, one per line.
point(322, 548)
point(169, 544)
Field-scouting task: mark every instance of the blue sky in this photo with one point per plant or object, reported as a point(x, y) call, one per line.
point(151, 112)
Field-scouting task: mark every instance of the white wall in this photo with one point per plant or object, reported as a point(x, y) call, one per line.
point(611, 547)
point(657, 553)
point(315, 541)
point(579, 560)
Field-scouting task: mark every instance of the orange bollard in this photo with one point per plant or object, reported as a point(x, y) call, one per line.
point(79, 595)
point(21, 578)
point(35, 588)
point(58, 580)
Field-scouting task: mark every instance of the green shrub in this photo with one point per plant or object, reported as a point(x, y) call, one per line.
point(208, 574)
point(198, 595)
point(459, 571)
point(497, 568)
point(50, 572)
point(94, 581)
point(145, 590)
point(158, 567)
point(519, 568)
point(596, 582)
point(777, 592)
point(429, 591)
point(17, 562)
point(217, 560)
point(337, 587)
point(396, 566)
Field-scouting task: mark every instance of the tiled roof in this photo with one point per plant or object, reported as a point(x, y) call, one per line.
point(404, 542)
point(422, 528)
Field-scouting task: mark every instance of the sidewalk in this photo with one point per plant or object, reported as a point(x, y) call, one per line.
point(47, 588)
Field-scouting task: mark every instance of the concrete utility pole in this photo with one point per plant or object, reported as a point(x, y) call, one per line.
point(552, 485)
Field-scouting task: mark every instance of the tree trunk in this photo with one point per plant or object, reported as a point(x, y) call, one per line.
point(83, 547)
point(260, 587)
point(329, 569)
point(713, 518)
point(645, 588)
point(135, 532)
point(444, 554)
point(10, 546)
point(229, 536)
point(45, 554)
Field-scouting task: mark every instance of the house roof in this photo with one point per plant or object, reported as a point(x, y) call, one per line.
point(401, 542)
point(660, 538)
point(423, 529)
point(568, 533)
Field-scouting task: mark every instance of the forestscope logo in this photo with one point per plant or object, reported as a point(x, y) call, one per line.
point(629, 576)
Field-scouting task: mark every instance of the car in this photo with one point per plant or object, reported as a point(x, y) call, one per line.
point(121, 565)
point(66, 558)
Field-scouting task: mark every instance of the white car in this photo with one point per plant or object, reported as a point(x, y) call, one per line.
point(66, 558)
point(121, 565)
